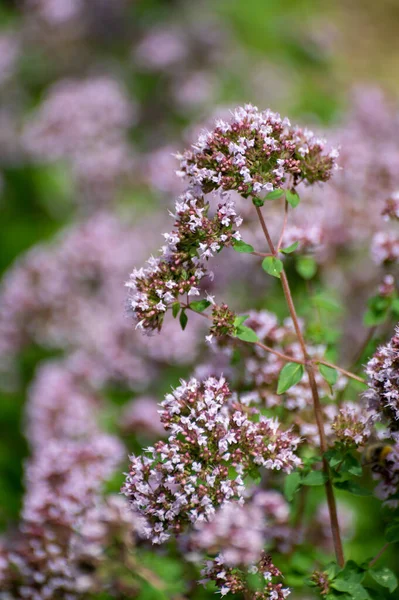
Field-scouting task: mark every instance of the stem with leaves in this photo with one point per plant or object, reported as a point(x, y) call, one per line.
point(332, 507)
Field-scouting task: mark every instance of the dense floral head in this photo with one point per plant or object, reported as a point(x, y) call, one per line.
point(213, 442)
point(383, 381)
point(235, 580)
point(255, 153)
point(196, 237)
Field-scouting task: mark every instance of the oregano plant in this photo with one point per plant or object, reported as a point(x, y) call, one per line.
point(251, 443)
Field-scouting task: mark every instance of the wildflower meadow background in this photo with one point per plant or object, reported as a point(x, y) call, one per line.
point(199, 299)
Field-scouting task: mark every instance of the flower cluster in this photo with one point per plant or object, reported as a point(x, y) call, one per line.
point(67, 295)
point(385, 247)
point(85, 122)
point(391, 207)
point(255, 153)
point(352, 425)
point(183, 480)
point(63, 482)
point(383, 381)
point(196, 237)
point(236, 532)
point(235, 581)
point(223, 321)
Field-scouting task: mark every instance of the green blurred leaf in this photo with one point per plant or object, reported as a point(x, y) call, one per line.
point(314, 478)
point(275, 194)
point(306, 266)
point(292, 198)
point(292, 483)
point(183, 319)
point(175, 309)
point(385, 577)
point(246, 334)
point(290, 248)
point(290, 375)
point(272, 265)
point(200, 305)
point(242, 247)
point(329, 374)
point(352, 488)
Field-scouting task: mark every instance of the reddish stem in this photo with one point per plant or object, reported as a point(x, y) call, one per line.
point(332, 507)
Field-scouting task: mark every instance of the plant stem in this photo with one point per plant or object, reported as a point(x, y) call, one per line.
point(280, 241)
point(379, 554)
point(332, 507)
point(363, 347)
point(259, 344)
point(343, 371)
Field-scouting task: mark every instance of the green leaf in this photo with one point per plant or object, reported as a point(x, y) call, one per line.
point(346, 463)
point(329, 374)
point(395, 306)
point(275, 194)
point(314, 478)
point(353, 588)
point(385, 577)
point(292, 198)
point(272, 265)
point(200, 305)
point(290, 248)
point(183, 319)
point(292, 483)
point(372, 318)
point(290, 375)
point(326, 302)
point(239, 320)
point(246, 334)
point(352, 488)
point(240, 246)
point(392, 533)
point(306, 266)
point(175, 309)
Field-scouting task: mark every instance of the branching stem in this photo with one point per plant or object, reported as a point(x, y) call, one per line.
point(332, 507)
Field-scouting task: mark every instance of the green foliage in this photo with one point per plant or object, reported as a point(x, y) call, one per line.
point(385, 578)
point(242, 247)
point(275, 194)
point(292, 198)
point(290, 249)
point(329, 374)
point(272, 266)
point(290, 375)
point(183, 319)
point(246, 334)
point(306, 266)
point(200, 305)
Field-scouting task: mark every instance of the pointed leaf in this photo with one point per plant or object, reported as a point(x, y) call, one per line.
point(275, 194)
point(246, 334)
point(272, 265)
point(290, 248)
point(292, 198)
point(242, 247)
point(392, 533)
point(200, 305)
point(239, 320)
point(314, 478)
point(306, 267)
point(292, 483)
point(290, 375)
point(183, 319)
point(175, 309)
point(329, 374)
point(385, 577)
